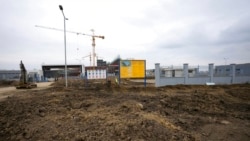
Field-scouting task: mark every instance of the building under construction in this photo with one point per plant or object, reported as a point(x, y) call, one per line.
point(58, 71)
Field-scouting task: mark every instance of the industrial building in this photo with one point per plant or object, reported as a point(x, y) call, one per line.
point(100, 63)
point(177, 72)
point(73, 70)
point(57, 71)
point(33, 76)
point(226, 70)
point(10, 74)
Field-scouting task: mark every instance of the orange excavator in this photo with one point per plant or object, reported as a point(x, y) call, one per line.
point(23, 84)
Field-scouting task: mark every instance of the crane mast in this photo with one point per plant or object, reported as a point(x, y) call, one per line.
point(79, 33)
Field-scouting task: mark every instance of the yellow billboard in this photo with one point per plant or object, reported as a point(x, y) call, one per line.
point(132, 68)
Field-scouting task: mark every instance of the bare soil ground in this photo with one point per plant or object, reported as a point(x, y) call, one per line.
point(8, 90)
point(96, 111)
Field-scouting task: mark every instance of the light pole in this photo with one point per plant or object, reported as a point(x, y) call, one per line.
point(65, 51)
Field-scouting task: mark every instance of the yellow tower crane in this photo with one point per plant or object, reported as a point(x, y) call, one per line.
point(79, 33)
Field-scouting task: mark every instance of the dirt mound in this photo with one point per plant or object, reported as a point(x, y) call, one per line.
point(94, 110)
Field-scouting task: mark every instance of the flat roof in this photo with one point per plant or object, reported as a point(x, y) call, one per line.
point(48, 67)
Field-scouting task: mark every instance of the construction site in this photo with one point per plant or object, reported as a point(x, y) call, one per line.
point(123, 100)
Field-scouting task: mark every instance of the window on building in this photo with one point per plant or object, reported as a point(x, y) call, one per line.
point(163, 72)
point(173, 73)
point(238, 71)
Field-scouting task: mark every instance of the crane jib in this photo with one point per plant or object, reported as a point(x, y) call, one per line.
point(79, 33)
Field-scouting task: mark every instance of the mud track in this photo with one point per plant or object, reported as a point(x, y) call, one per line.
point(94, 111)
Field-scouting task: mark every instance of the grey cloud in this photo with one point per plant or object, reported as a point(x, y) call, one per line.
point(210, 28)
point(205, 17)
point(199, 35)
point(195, 35)
point(239, 32)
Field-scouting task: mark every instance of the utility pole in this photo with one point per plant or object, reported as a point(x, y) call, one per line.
point(65, 51)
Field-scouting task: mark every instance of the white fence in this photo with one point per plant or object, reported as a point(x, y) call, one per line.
point(198, 79)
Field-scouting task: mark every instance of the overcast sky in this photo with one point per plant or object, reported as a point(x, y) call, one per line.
point(169, 32)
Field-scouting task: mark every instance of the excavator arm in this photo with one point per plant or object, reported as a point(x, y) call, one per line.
point(23, 84)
